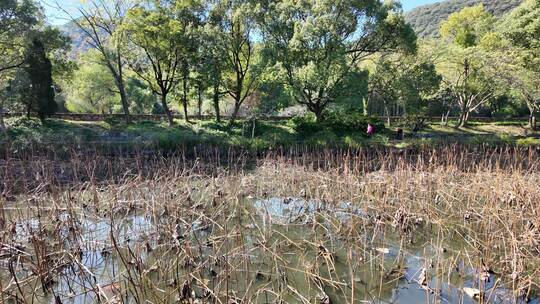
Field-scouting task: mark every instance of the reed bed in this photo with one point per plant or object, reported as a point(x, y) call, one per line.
point(203, 225)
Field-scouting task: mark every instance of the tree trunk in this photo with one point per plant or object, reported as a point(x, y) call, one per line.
point(184, 96)
point(365, 106)
point(318, 115)
point(464, 113)
point(463, 119)
point(444, 118)
point(125, 104)
point(315, 108)
point(184, 105)
point(166, 109)
point(388, 122)
point(199, 102)
point(2, 123)
point(119, 81)
point(234, 114)
point(532, 120)
point(216, 103)
point(461, 122)
point(120, 84)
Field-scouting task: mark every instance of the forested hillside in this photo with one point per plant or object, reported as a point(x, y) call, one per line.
point(425, 19)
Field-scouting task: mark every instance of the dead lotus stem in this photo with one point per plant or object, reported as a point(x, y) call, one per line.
point(299, 227)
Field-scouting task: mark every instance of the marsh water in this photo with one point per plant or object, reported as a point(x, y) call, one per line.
point(266, 250)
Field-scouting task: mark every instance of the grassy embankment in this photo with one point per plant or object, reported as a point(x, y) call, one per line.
point(264, 135)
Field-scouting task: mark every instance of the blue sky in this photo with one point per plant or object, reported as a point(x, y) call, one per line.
point(56, 16)
point(410, 4)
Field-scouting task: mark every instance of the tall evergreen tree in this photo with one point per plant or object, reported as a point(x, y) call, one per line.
point(39, 69)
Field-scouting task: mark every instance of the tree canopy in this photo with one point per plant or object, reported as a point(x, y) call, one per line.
point(319, 45)
point(260, 57)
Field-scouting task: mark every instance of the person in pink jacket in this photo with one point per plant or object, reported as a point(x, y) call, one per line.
point(370, 130)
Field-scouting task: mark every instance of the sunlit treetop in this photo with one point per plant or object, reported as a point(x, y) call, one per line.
point(467, 27)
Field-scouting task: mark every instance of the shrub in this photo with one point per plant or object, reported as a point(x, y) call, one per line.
point(341, 122)
point(158, 109)
point(113, 121)
point(305, 125)
point(322, 139)
point(338, 122)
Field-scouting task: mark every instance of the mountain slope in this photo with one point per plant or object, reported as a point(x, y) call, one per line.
point(78, 38)
point(426, 19)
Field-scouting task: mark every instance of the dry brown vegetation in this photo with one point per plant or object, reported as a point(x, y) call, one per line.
point(295, 226)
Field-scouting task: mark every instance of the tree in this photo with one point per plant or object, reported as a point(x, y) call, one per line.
point(522, 29)
point(30, 55)
point(17, 19)
point(524, 83)
point(466, 64)
point(404, 83)
point(141, 97)
point(155, 33)
point(189, 15)
point(319, 44)
point(92, 88)
point(200, 78)
point(233, 23)
point(212, 59)
point(272, 92)
point(101, 22)
point(467, 27)
point(39, 69)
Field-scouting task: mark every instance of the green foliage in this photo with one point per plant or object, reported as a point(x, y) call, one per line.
point(31, 54)
point(338, 122)
point(426, 19)
point(333, 58)
point(305, 125)
point(467, 27)
point(18, 19)
point(233, 25)
point(157, 108)
point(353, 90)
point(163, 40)
point(522, 29)
point(57, 46)
point(58, 135)
point(407, 83)
point(92, 88)
point(467, 64)
point(155, 33)
point(273, 93)
point(41, 97)
point(348, 122)
point(317, 47)
point(140, 96)
point(29, 132)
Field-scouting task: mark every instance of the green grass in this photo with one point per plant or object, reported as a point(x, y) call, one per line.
point(24, 132)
